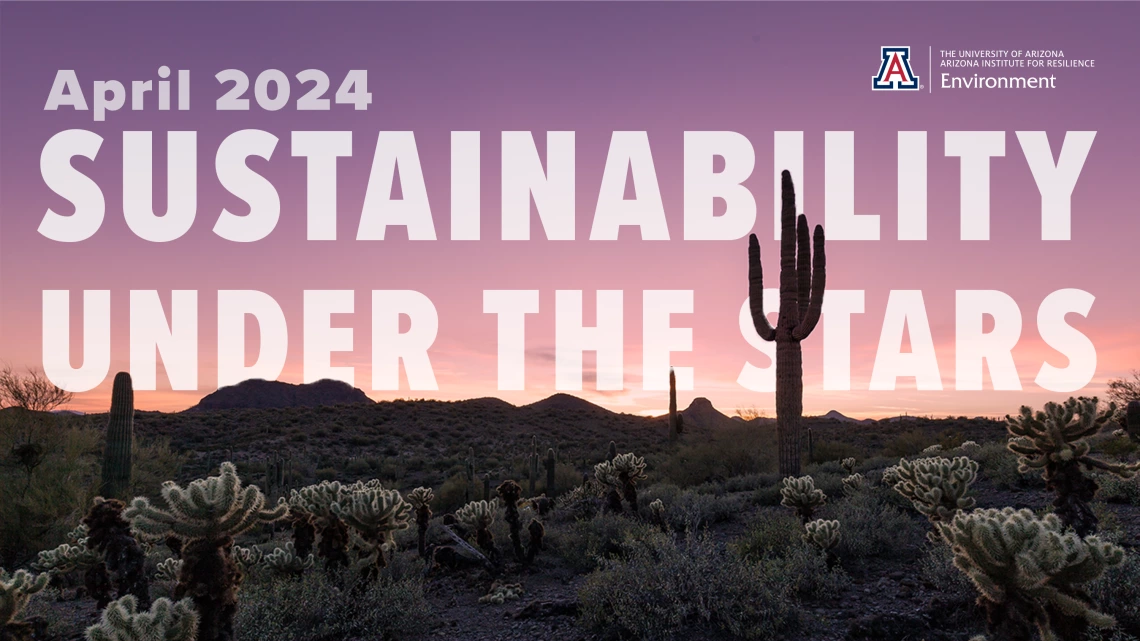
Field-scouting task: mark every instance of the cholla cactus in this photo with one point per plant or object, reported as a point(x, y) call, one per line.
point(854, 484)
point(509, 491)
point(932, 450)
point(15, 592)
point(169, 570)
point(969, 445)
point(1028, 572)
point(938, 487)
point(247, 558)
point(1053, 441)
point(800, 494)
point(375, 513)
point(822, 533)
point(213, 509)
point(622, 473)
point(124, 563)
point(206, 516)
point(286, 562)
point(848, 464)
point(313, 507)
point(657, 511)
point(67, 558)
point(166, 621)
point(890, 475)
point(420, 499)
point(501, 593)
point(479, 515)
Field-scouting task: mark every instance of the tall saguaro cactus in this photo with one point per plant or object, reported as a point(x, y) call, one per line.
point(676, 420)
point(802, 281)
point(120, 439)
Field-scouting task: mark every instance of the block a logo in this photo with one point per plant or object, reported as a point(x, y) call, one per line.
point(895, 73)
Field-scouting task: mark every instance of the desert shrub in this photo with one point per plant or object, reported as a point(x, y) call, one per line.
point(826, 450)
point(997, 464)
point(771, 534)
point(452, 494)
point(873, 527)
point(1117, 592)
point(750, 482)
point(937, 570)
point(910, 443)
point(584, 544)
point(1114, 489)
point(768, 495)
point(320, 607)
point(39, 508)
point(154, 463)
point(803, 571)
point(733, 452)
point(697, 589)
point(566, 478)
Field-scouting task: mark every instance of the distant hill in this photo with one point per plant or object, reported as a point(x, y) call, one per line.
point(836, 416)
point(263, 394)
point(563, 402)
point(701, 414)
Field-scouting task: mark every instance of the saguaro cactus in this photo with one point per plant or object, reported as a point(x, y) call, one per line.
point(120, 439)
point(534, 461)
point(207, 515)
point(802, 282)
point(166, 621)
point(1029, 573)
point(676, 419)
point(550, 464)
point(1053, 441)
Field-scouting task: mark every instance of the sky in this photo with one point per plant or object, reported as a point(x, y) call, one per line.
point(592, 68)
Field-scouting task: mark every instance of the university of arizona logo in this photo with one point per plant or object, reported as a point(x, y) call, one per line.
point(894, 72)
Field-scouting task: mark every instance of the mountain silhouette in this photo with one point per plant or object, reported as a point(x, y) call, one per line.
point(263, 394)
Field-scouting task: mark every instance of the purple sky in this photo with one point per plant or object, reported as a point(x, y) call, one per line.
point(592, 68)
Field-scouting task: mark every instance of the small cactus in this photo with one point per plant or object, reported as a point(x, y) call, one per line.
point(854, 484)
point(848, 464)
point(1029, 571)
point(478, 516)
point(286, 562)
point(501, 593)
point(1053, 441)
point(822, 533)
point(938, 487)
point(168, 570)
point(890, 475)
point(166, 621)
point(420, 499)
point(932, 450)
point(509, 491)
point(800, 494)
point(67, 558)
point(375, 514)
point(622, 473)
point(246, 558)
point(15, 592)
